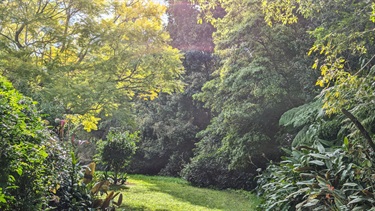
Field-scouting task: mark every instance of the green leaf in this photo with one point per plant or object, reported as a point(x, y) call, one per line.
point(11, 179)
point(307, 175)
point(317, 162)
point(320, 147)
point(339, 203)
point(356, 200)
point(19, 170)
point(351, 184)
point(43, 153)
point(307, 182)
point(322, 181)
point(2, 196)
point(346, 143)
point(312, 202)
point(73, 156)
point(361, 208)
point(318, 156)
point(367, 163)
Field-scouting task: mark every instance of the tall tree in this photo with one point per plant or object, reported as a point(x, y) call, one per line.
point(169, 124)
point(87, 58)
point(264, 71)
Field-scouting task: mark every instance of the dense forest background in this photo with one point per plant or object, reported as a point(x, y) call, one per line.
point(268, 95)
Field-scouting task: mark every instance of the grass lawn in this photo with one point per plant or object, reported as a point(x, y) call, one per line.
point(165, 193)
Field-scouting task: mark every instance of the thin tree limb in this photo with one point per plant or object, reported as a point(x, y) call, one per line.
point(368, 62)
point(17, 35)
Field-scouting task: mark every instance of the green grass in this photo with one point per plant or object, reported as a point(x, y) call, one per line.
point(164, 193)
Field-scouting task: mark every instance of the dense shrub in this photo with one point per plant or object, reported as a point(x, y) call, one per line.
point(321, 178)
point(79, 188)
point(68, 192)
point(37, 171)
point(24, 168)
point(212, 171)
point(330, 166)
point(165, 145)
point(116, 152)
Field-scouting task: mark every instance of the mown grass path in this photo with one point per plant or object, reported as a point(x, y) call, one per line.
point(155, 193)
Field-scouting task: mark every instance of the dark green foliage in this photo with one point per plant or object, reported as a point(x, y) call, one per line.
point(263, 73)
point(230, 165)
point(169, 124)
point(168, 132)
point(117, 150)
point(212, 171)
point(23, 175)
point(69, 192)
point(110, 176)
point(302, 115)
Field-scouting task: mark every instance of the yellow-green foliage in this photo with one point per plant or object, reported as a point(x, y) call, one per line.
point(23, 165)
point(343, 46)
point(90, 57)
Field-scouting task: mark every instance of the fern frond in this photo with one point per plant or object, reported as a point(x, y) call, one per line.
point(302, 115)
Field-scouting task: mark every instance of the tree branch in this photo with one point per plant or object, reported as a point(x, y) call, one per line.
point(360, 128)
point(17, 35)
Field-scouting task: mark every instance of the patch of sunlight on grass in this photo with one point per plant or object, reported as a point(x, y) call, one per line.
point(156, 193)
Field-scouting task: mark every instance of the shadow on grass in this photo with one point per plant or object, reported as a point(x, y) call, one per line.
point(203, 197)
point(182, 192)
point(119, 187)
point(185, 193)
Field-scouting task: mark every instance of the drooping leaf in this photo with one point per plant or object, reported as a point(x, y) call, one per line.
point(317, 162)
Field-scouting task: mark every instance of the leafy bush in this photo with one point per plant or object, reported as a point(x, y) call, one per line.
point(78, 191)
point(212, 171)
point(165, 146)
point(116, 151)
point(69, 192)
point(321, 178)
point(23, 163)
point(37, 172)
point(76, 186)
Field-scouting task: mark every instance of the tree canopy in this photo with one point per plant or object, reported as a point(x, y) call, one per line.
point(86, 58)
point(263, 72)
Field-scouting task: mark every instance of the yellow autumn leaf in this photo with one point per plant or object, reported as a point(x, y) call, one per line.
point(90, 122)
point(315, 65)
point(73, 118)
point(323, 70)
point(319, 83)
